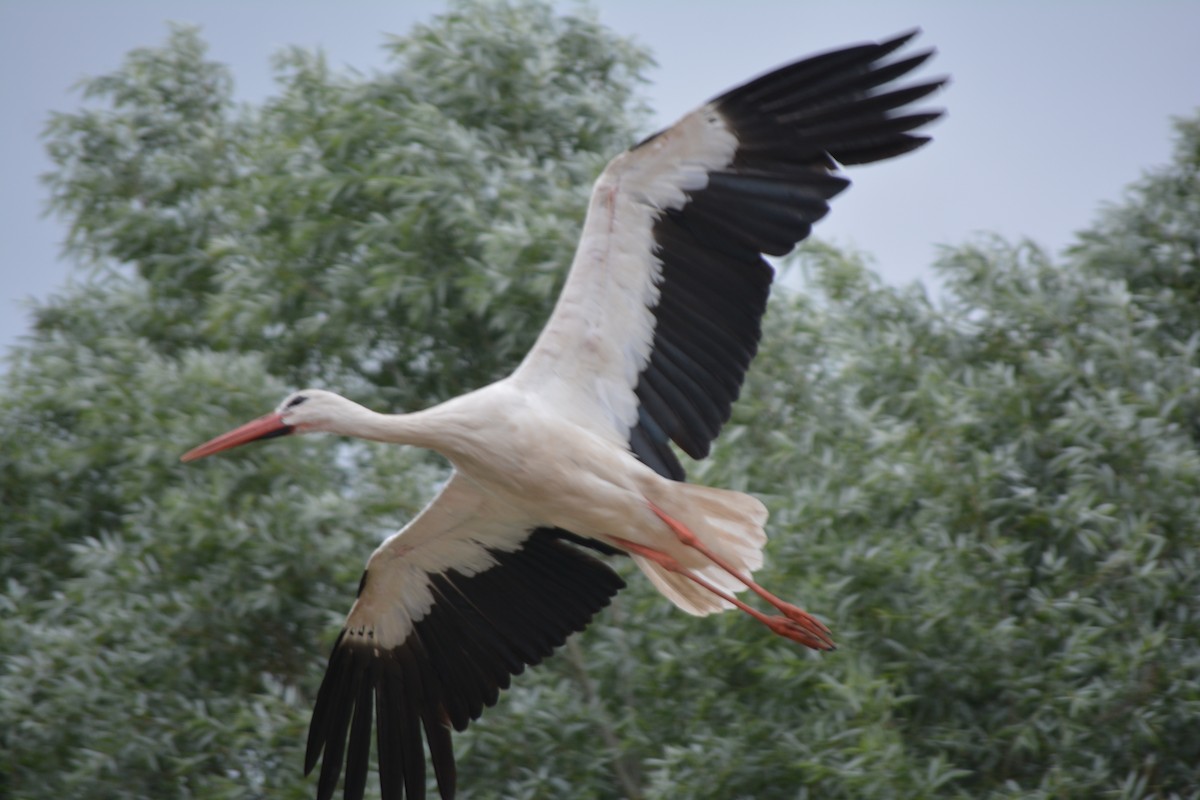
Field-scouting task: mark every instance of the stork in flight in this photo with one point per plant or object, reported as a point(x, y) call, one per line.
point(648, 344)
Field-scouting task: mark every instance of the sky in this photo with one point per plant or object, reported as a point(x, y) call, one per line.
point(1053, 108)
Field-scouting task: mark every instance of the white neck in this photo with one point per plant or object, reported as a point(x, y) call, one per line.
point(413, 429)
point(437, 428)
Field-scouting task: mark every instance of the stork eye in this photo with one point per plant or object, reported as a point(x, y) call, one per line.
point(295, 401)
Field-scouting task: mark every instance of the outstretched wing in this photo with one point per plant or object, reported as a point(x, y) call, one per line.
point(660, 315)
point(447, 610)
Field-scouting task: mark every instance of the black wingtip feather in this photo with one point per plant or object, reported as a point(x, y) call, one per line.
point(348, 679)
point(359, 750)
point(418, 707)
point(441, 753)
point(387, 736)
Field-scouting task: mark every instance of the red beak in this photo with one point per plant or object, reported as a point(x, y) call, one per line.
point(265, 427)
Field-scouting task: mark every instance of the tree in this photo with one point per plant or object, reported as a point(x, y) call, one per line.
point(992, 500)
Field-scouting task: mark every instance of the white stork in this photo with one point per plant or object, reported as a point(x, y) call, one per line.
point(648, 344)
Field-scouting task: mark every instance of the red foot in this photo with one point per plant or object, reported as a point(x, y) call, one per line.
point(803, 618)
point(800, 633)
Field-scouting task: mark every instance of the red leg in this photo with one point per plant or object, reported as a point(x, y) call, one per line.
point(813, 635)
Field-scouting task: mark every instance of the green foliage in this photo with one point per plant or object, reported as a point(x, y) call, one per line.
point(993, 500)
point(1151, 241)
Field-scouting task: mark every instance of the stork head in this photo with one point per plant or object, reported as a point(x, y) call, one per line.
point(300, 412)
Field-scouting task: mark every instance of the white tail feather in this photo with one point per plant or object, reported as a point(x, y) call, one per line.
point(730, 524)
point(684, 593)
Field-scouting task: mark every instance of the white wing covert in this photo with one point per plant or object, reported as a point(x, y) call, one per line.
point(660, 314)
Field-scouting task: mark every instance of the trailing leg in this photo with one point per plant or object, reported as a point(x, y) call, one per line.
point(798, 626)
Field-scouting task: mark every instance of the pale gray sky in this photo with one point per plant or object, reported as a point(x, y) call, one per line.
point(1053, 108)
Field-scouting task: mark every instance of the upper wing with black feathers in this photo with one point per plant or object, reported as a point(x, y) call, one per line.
point(447, 611)
point(660, 315)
